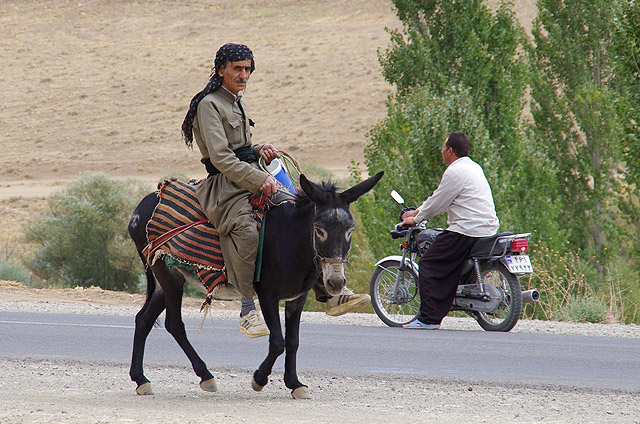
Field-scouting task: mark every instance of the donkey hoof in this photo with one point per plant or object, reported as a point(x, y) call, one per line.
point(301, 392)
point(255, 385)
point(144, 389)
point(209, 385)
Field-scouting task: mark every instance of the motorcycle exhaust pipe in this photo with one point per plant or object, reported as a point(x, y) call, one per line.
point(530, 296)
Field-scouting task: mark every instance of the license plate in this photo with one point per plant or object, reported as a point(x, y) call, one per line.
point(519, 264)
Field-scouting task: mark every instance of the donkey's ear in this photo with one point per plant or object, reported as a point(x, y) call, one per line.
point(351, 195)
point(314, 191)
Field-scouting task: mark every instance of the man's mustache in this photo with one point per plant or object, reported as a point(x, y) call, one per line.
point(241, 80)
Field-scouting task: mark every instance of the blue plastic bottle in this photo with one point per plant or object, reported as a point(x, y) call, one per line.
point(280, 173)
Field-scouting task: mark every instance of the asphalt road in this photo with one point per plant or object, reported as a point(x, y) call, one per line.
point(467, 356)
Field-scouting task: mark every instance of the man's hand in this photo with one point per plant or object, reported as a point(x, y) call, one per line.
point(269, 186)
point(407, 218)
point(269, 153)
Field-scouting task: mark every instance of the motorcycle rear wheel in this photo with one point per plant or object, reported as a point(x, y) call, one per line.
point(508, 313)
point(403, 310)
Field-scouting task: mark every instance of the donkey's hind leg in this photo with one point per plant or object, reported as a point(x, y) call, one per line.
point(173, 285)
point(145, 320)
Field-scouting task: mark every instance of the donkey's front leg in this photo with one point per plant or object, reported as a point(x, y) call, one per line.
point(269, 305)
point(293, 311)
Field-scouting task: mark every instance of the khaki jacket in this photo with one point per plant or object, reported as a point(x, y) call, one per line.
point(219, 129)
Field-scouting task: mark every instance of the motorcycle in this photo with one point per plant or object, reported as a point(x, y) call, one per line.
point(488, 291)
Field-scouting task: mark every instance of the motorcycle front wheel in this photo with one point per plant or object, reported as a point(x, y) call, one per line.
point(507, 314)
point(404, 306)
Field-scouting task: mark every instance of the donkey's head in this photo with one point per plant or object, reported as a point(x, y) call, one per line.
point(333, 225)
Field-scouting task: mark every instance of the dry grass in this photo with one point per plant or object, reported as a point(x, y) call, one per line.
point(572, 291)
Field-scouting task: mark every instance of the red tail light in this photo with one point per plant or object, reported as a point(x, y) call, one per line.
point(520, 245)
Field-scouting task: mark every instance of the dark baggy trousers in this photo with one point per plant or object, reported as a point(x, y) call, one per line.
point(440, 269)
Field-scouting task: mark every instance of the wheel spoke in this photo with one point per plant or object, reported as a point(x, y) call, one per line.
point(508, 311)
point(404, 307)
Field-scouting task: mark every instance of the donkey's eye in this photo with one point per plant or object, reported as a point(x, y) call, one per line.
point(321, 234)
point(347, 235)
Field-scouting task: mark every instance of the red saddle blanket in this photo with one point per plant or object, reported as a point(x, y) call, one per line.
point(179, 229)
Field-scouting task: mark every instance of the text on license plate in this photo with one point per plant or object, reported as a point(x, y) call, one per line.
point(519, 264)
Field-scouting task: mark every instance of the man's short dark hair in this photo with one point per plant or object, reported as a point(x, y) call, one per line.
point(459, 143)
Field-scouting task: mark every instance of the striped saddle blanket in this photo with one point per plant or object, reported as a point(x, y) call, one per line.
point(179, 232)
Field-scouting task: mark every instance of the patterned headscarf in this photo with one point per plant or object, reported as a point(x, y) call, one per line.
point(228, 53)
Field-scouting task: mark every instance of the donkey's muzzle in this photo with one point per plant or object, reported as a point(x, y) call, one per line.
point(333, 275)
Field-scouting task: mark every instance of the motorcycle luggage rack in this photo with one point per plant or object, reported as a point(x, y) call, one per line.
point(485, 251)
point(507, 242)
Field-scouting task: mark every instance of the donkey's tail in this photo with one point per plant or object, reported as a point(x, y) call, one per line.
point(137, 230)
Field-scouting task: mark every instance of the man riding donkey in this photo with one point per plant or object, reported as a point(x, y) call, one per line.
point(219, 120)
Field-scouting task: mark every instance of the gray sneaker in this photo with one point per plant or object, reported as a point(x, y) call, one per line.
point(346, 301)
point(252, 325)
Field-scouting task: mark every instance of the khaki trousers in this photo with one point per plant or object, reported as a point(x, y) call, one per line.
point(240, 248)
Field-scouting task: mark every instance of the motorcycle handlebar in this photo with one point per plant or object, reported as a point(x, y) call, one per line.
point(400, 230)
point(404, 210)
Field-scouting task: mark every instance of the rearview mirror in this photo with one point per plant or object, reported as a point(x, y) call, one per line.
point(396, 196)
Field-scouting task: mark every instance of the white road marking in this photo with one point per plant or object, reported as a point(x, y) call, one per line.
point(67, 324)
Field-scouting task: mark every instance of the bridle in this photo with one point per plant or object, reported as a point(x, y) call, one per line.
point(317, 257)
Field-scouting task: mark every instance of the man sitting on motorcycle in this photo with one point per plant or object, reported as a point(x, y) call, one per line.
point(465, 194)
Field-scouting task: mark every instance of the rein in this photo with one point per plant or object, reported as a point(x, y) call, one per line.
point(289, 164)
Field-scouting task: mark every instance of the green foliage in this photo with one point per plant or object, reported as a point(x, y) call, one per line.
point(461, 42)
point(83, 240)
point(571, 39)
point(584, 309)
point(13, 272)
point(526, 198)
point(626, 77)
point(575, 114)
point(407, 147)
point(459, 67)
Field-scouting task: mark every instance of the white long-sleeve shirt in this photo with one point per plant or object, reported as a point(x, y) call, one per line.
point(465, 194)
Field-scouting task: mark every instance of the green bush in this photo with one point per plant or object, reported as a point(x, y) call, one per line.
point(13, 272)
point(83, 239)
point(584, 309)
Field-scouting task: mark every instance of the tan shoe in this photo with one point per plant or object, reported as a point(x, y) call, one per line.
point(346, 301)
point(252, 325)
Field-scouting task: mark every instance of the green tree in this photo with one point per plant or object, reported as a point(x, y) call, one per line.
point(576, 121)
point(407, 146)
point(626, 77)
point(83, 239)
point(458, 66)
point(462, 43)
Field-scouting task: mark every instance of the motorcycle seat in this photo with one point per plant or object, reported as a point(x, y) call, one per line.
point(496, 245)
